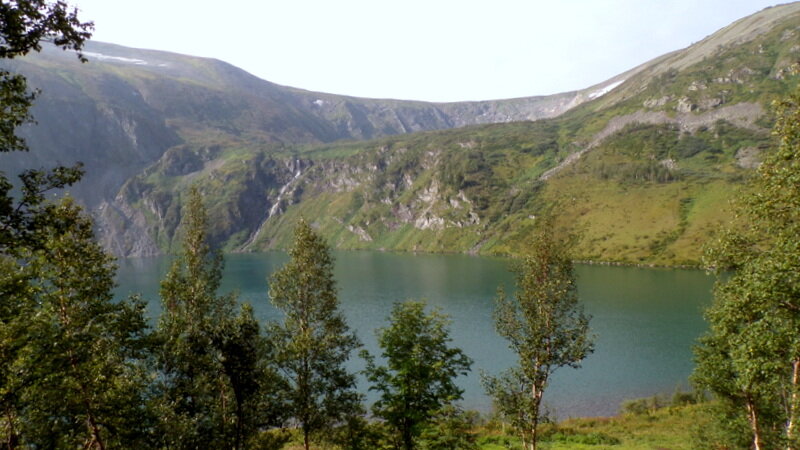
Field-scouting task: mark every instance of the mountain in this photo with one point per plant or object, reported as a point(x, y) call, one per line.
point(641, 165)
point(120, 112)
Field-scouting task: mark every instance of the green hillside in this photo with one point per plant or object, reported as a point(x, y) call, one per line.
point(642, 173)
point(641, 166)
point(475, 190)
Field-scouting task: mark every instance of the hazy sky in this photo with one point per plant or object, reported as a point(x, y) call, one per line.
point(435, 50)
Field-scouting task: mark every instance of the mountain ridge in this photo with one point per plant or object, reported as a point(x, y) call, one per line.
point(671, 132)
point(163, 99)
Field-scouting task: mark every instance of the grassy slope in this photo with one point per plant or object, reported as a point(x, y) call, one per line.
point(668, 428)
point(645, 194)
point(671, 427)
point(620, 217)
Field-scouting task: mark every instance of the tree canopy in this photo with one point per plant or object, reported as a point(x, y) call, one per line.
point(218, 386)
point(750, 358)
point(544, 325)
point(313, 342)
point(418, 380)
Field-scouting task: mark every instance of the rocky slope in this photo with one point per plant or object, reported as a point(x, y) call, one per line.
point(124, 109)
point(640, 165)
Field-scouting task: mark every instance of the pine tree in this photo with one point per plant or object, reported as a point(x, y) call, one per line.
point(313, 342)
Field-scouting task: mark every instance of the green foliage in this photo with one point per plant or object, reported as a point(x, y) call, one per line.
point(216, 387)
point(74, 360)
point(689, 146)
point(25, 23)
point(313, 342)
point(358, 433)
point(418, 381)
point(670, 427)
point(642, 405)
point(257, 388)
point(649, 405)
point(645, 140)
point(21, 218)
point(722, 426)
point(544, 325)
point(750, 358)
point(584, 439)
point(450, 429)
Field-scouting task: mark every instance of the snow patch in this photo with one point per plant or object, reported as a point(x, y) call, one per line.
point(605, 90)
point(102, 57)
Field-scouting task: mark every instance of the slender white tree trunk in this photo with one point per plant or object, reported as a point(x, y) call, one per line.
point(752, 417)
point(793, 405)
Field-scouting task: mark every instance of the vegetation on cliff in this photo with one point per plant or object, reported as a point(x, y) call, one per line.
point(643, 173)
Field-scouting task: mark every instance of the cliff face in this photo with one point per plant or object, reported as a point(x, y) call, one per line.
point(122, 111)
point(675, 133)
point(254, 199)
point(476, 190)
point(114, 139)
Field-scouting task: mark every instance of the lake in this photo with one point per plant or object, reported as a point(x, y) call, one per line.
point(645, 320)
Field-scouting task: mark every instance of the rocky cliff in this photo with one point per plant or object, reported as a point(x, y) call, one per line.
point(640, 164)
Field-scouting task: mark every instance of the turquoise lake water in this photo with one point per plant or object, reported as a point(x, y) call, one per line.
point(645, 320)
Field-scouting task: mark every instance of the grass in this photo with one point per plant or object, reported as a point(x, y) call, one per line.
point(668, 428)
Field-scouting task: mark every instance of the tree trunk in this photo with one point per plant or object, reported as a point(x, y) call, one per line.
point(239, 421)
point(97, 442)
point(752, 416)
point(793, 406)
point(91, 422)
point(408, 439)
point(223, 400)
point(536, 393)
point(12, 440)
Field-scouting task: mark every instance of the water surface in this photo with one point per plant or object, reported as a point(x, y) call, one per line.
point(645, 320)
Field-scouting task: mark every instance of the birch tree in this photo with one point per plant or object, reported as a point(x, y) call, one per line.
point(314, 342)
point(25, 24)
point(217, 386)
point(750, 358)
point(418, 380)
point(79, 375)
point(544, 325)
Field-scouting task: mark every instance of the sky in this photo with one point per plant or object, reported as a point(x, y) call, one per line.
point(432, 50)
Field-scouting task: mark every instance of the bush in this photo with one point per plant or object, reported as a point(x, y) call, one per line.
point(647, 405)
point(639, 406)
point(568, 436)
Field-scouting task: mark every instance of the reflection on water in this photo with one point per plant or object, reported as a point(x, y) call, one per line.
point(645, 320)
